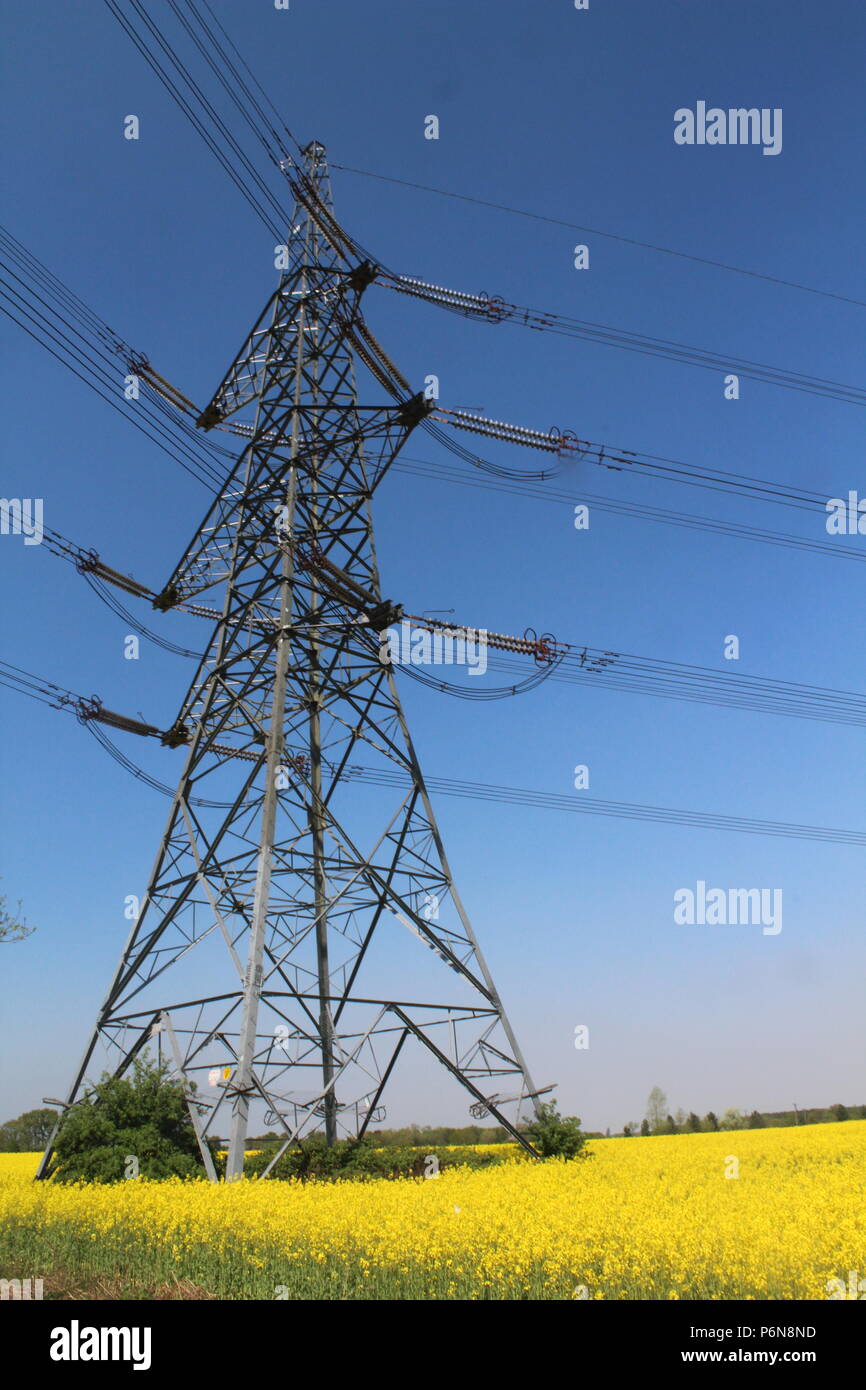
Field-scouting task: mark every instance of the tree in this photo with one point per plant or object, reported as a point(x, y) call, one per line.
point(756, 1120)
point(670, 1125)
point(694, 1122)
point(839, 1112)
point(644, 1128)
point(29, 1133)
point(711, 1120)
point(126, 1127)
point(626, 1131)
point(732, 1119)
point(12, 924)
point(555, 1135)
point(680, 1119)
point(656, 1109)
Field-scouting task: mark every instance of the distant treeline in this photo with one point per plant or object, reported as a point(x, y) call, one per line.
point(30, 1132)
point(736, 1119)
point(832, 1115)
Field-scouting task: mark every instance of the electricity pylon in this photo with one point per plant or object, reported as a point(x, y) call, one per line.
point(273, 933)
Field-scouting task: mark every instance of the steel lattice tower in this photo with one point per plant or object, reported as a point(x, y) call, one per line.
point(283, 893)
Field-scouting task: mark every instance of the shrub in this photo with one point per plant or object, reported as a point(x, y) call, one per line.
point(554, 1135)
point(143, 1116)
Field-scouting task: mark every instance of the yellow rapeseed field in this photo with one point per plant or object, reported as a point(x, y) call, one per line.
point(652, 1218)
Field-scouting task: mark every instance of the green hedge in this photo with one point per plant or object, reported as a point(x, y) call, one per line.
point(363, 1159)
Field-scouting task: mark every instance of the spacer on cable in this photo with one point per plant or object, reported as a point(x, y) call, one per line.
point(86, 561)
point(87, 709)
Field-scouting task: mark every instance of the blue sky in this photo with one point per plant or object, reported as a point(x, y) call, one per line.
point(570, 114)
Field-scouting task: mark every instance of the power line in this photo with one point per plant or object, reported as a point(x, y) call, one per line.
point(603, 334)
point(663, 680)
point(664, 814)
point(498, 310)
point(646, 465)
point(205, 456)
point(277, 229)
point(574, 663)
point(610, 236)
point(621, 460)
point(26, 683)
point(422, 468)
point(88, 380)
point(490, 792)
point(91, 350)
point(101, 589)
point(238, 78)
